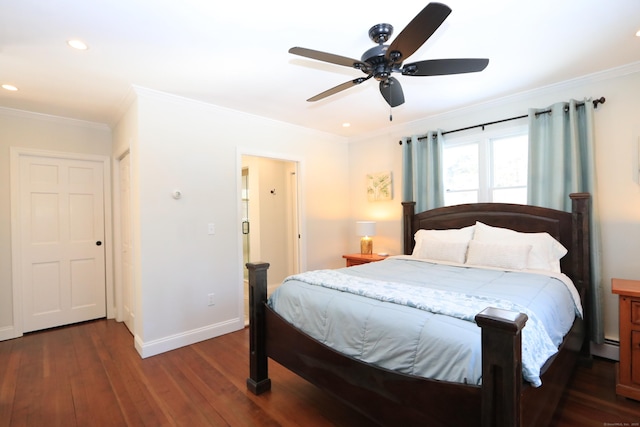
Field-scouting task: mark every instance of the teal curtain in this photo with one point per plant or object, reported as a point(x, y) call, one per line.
point(422, 170)
point(561, 162)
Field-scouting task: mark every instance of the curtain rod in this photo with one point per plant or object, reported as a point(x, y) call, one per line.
point(600, 100)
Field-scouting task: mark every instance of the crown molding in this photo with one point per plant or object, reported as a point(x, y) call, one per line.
point(30, 115)
point(123, 106)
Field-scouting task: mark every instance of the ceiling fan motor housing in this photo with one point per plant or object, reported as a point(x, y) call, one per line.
point(377, 62)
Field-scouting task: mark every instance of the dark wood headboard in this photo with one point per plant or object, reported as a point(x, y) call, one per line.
point(569, 228)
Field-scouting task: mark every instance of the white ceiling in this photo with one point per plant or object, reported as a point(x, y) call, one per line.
point(236, 54)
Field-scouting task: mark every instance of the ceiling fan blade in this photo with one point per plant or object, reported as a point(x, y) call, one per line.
point(327, 57)
point(439, 67)
point(392, 92)
point(417, 32)
point(339, 88)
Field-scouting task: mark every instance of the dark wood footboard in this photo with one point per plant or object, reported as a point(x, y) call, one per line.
point(388, 397)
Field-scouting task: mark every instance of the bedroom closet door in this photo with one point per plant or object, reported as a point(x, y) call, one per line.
point(62, 251)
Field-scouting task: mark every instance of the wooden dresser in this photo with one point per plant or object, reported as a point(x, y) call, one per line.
point(628, 373)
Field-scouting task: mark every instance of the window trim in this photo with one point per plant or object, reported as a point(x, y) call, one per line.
point(485, 157)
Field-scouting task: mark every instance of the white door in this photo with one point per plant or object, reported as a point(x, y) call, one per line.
point(62, 250)
point(128, 295)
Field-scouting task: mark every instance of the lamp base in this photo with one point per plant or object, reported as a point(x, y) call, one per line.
point(366, 246)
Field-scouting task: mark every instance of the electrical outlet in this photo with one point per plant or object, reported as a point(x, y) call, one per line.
point(211, 300)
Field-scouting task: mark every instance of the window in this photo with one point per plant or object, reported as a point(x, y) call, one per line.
point(489, 167)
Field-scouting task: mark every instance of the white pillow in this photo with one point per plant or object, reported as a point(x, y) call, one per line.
point(513, 257)
point(455, 235)
point(545, 251)
point(442, 251)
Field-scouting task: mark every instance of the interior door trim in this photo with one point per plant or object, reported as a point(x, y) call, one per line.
point(16, 330)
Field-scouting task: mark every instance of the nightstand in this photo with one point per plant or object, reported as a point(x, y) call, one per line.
point(357, 259)
point(628, 372)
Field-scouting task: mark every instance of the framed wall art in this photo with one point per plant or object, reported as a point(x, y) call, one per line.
point(379, 186)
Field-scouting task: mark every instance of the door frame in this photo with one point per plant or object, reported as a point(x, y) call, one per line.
point(302, 252)
point(118, 269)
point(16, 258)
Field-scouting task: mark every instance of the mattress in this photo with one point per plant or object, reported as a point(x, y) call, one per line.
point(416, 317)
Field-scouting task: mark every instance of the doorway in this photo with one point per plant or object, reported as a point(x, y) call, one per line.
point(270, 218)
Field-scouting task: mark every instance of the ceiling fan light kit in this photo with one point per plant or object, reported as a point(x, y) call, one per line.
point(382, 60)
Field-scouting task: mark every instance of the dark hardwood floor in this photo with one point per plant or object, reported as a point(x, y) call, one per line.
point(90, 375)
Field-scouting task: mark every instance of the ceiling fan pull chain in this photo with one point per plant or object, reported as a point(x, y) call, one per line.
point(390, 99)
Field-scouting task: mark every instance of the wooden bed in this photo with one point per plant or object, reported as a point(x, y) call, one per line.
point(391, 398)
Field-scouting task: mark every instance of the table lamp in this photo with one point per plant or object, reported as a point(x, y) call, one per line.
point(366, 229)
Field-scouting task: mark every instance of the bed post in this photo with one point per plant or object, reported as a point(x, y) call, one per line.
point(258, 381)
point(581, 243)
point(408, 211)
point(580, 210)
point(501, 366)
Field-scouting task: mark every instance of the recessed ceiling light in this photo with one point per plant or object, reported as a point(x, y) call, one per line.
point(638, 33)
point(10, 87)
point(346, 125)
point(77, 44)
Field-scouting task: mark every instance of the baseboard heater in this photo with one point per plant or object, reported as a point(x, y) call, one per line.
point(610, 349)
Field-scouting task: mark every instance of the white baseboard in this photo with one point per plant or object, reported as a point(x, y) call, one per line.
point(152, 348)
point(8, 333)
point(608, 350)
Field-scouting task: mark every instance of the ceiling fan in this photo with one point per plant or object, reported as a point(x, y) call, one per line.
point(380, 61)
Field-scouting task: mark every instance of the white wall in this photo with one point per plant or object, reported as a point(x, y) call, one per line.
point(41, 132)
point(197, 148)
point(617, 161)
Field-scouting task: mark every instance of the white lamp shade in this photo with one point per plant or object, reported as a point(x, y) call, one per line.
point(365, 228)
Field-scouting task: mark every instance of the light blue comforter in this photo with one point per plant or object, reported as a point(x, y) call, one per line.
point(417, 317)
